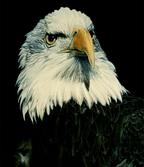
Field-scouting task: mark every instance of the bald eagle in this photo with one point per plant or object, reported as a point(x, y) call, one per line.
point(70, 91)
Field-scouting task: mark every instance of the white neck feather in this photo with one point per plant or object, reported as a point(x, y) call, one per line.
point(41, 88)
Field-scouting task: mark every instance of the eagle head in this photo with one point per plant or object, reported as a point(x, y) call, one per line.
point(62, 60)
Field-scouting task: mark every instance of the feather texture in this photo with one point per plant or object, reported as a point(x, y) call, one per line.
point(51, 76)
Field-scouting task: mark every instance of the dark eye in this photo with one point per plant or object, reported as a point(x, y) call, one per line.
point(50, 39)
point(91, 33)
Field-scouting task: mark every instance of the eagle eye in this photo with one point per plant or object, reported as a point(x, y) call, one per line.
point(50, 39)
point(91, 33)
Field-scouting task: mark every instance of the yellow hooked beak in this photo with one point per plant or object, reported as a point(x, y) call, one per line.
point(82, 41)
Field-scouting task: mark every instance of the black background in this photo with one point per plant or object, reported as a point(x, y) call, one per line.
point(119, 28)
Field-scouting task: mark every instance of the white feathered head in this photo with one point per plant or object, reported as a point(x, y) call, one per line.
point(61, 60)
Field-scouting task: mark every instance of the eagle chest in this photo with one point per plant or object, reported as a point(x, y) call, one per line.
point(73, 133)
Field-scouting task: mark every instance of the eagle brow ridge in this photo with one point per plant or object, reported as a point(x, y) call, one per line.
point(58, 34)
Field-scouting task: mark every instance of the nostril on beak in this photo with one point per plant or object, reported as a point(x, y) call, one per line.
point(75, 32)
